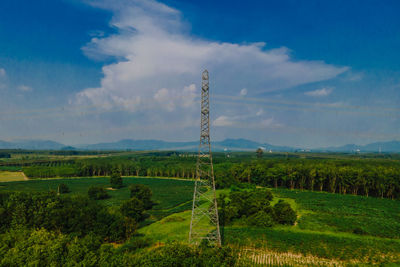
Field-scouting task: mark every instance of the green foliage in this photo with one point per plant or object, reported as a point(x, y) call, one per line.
point(168, 194)
point(324, 245)
point(261, 219)
point(11, 168)
point(259, 152)
point(116, 180)
point(50, 171)
point(253, 207)
point(345, 213)
point(70, 215)
point(97, 192)
point(183, 255)
point(63, 189)
point(283, 213)
point(143, 193)
point(5, 155)
point(134, 209)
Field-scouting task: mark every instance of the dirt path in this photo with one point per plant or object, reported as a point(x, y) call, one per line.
point(25, 177)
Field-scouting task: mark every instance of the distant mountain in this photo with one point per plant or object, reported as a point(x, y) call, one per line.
point(31, 144)
point(139, 145)
point(390, 146)
point(225, 145)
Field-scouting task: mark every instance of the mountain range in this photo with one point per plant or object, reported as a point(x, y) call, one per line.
point(225, 145)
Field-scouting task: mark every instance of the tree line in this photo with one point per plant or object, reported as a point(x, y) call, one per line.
point(367, 177)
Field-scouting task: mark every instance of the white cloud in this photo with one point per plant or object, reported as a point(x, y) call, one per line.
point(319, 92)
point(2, 73)
point(157, 62)
point(24, 88)
point(260, 112)
point(248, 121)
point(223, 121)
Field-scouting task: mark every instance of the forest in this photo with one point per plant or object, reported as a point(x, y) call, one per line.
point(377, 177)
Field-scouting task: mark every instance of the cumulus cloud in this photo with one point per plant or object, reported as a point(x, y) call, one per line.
point(319, 92)
point(246, 121)
point(223, 121)
point(24, 88)
point(243, 92)
point(157, 63)
point(155, 52)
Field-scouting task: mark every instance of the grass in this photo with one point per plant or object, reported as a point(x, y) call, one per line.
point(325, 229)
point(345, 213)
point(344, 247)
point(8, 176)
point(319, 232)
point(167, 193)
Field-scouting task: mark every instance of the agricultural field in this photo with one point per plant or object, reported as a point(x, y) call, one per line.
point(332, 229)
point(170, 195)
point(320, 231)
point(11, 176)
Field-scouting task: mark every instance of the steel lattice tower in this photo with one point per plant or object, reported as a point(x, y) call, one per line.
point(205, 222)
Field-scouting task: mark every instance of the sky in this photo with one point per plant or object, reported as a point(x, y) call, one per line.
point(298, 73)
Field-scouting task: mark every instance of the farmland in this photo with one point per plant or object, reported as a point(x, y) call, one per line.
point(169, 195)
point(8, 176)
point(331, 228)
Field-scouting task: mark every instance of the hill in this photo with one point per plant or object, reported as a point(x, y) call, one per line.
point(224, 145)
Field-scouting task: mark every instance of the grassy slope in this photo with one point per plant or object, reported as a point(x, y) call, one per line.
point(7, 176)
point(346, 213)
point(309, 239)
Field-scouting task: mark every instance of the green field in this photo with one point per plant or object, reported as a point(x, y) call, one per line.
point(344, 228)
point(365, 216)
point(170, 195)
point(319, 231)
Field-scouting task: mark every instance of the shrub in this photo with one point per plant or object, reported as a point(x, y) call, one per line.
point(63, 189)
point(262, 219)
point(116, 180)
point(134, 209)
point(284, 214)
point(96, 192)
point(143, 193)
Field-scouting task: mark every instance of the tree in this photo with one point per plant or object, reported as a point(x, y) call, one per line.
point(116, 180)
point(259, 152)
point(96, 192)
point(143, 193)
point(63, 189)
point(133, 209)
point(284, 214)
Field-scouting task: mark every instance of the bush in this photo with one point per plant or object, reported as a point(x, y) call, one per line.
point(96, 192)
point(134, 209)
point(284, 214)
point(359, 231)
point(143, 193)
point(5, 155)
point(116, 180)
point(63, 189)
point(262, 219)
point(185, 255)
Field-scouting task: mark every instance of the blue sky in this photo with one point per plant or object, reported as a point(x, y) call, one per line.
point(300, 73)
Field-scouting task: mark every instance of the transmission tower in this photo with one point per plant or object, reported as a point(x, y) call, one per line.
point(204, 223)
